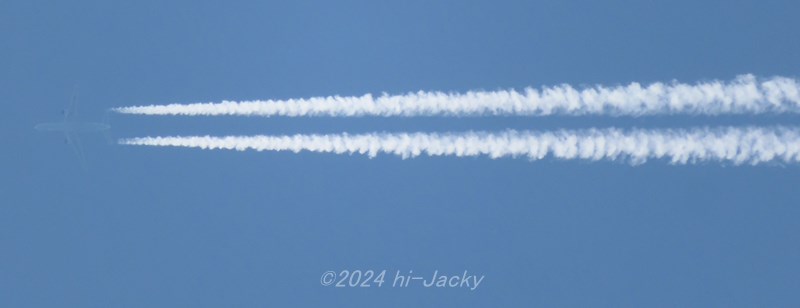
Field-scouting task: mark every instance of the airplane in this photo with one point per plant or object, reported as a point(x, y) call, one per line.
point(71, 127)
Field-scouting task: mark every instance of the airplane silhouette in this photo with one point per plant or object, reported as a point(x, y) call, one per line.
point(71, 128)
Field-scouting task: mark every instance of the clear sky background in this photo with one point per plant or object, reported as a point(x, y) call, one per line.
point(183, 227)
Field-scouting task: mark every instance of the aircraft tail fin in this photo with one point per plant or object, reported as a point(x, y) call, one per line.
point(107, 132)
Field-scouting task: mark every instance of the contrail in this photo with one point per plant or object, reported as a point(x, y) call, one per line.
point(748, 145)
point(744, 95)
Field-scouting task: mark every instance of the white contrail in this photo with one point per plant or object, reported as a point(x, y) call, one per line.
point(745, 94)
point(748, 145)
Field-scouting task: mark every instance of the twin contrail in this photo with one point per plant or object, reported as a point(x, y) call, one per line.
point(744, 95)
point(748, 145)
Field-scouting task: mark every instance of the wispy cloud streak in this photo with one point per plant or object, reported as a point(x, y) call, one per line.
point(745, 94)
point(748, 145)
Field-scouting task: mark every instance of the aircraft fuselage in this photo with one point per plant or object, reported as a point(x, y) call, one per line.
point(78, 127)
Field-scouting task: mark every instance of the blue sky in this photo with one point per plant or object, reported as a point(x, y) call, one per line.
point(184, 227)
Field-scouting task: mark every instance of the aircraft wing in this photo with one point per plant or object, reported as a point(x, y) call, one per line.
point(72, 110)
point(75, 143)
